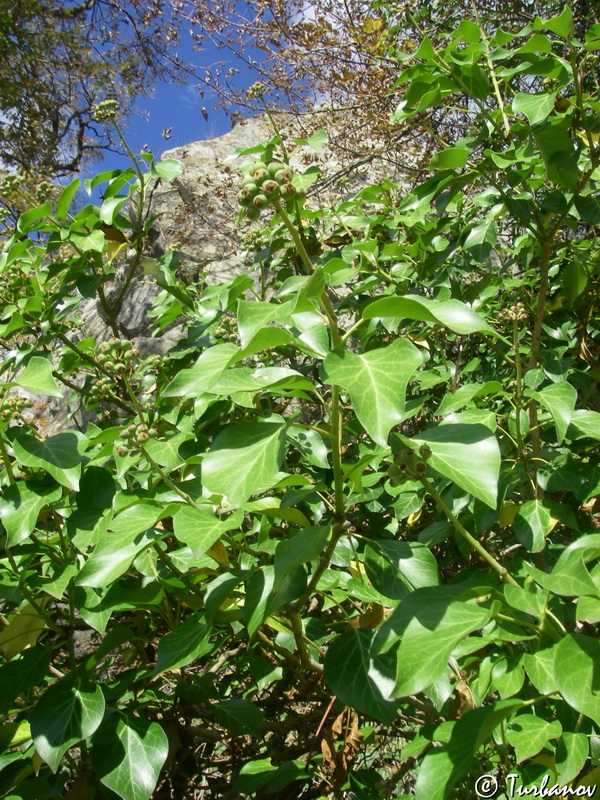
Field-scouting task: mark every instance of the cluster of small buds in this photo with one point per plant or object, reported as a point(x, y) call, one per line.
point(135, 436)
point(409, 465)
point(257, 90)
point(106, 110)
point(10, 183)
point(255, 240)
point(516, 312)
point(13, 406)
point(264, 183)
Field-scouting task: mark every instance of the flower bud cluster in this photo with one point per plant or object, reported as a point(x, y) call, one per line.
point(409, 465)
point(13, 406)
point(516, 312)
point(135, 436)
point(264, 183)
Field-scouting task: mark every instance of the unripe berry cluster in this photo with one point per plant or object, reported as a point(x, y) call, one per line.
point(264, 183)
point(106, 110)
point(13, 406)
point(135, 436)
point(409, 465)
point(117, 355)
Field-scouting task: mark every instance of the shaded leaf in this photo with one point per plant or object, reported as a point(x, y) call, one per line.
point(358, 677)
point(66, 713)
point(428, 624)
point(128, 753)
point(577, 670)
point(183, 645)
point(61, 455)
point(239, 716)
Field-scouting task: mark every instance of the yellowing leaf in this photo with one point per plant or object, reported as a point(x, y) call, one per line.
point(507, 515)
point(23, 630)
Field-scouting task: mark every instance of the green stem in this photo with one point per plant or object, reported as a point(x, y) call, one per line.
point(6, 460)
point(168, 561)
point(460, 528)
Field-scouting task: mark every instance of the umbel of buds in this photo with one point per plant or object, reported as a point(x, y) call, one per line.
point(516, 313)
point(409, 465)
point(264, 183)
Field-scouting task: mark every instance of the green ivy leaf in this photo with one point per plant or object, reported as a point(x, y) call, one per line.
point(532, 524)
point(37, 378)
point(168, 169)
point(539, 667)
point(25, 670)
point(66, 198)
point(244, 460)
point(359, 678)
point(481, 240)
point(467, 454)
point(204, 374)
point(428, 623)
point(61, 455)
point(254, 315)
point(576, 668)
point(529, 734)
point(376, 382)
point(200, 528)
point(587, 422)
point(559, 398)
point(300, 548)
point(128, 754)
point(570, 576)
point(536, 107)
point(572, 752)
point(20, 506)
point(67, 713)
point(442, 767)
point(450, 158)
point(240, 716)
point(561, 24)
point(396, 568)
point(183, 645)
point(453, 314)
point(130, 532)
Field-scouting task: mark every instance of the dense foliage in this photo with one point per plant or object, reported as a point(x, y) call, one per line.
point(343, 536)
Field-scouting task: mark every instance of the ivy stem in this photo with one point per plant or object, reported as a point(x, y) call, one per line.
point(336, 341)
point(518, 404)
point(168, 561)
point(460, 528)
point(490, 65)
point(6, 461)
point(167, 480)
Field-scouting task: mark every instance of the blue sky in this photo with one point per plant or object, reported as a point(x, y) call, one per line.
point(179, 108)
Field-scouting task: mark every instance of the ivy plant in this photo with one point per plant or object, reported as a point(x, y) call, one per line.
point(343, 537)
